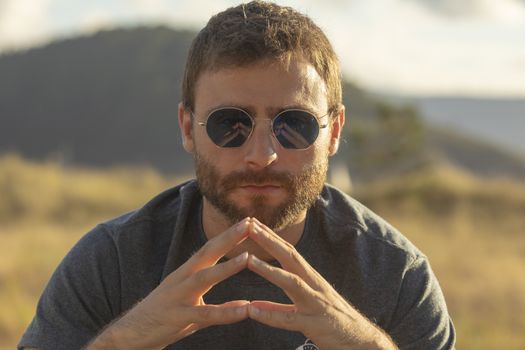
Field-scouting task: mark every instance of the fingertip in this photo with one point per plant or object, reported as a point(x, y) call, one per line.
point(242, 229)
point(251, 223)
point(254, 261)
point(253, 311)
point(242, 258)
point(242, 311)
point(281, 319)
point(242, 225)
point(259, 224)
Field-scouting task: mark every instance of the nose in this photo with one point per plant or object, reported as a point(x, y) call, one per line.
point(261, 147)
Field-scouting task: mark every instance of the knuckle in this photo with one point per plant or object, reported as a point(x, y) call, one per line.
point(266, 314)
point(294, 255)
point(204, 313)
point(290, 247)
point(227, 313)
point(322, 300)
point(296, 281)
point(223, 268)
point(201, 276)
point(290, 317)
point(204, 249)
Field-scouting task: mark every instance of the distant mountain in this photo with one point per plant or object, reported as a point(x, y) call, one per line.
point(473, 154)
point(497, 120)
point(111, 99)
point(97, 100)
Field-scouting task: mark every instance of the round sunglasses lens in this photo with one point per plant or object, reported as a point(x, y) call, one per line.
point(228, 127)
point(296, 129)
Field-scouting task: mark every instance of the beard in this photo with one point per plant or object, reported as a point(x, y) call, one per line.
point(303, 189)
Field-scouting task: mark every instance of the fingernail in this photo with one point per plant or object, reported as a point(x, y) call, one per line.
point(240, 310)
point(256, 228)
point(241, 257)
point(255, 311)
point(241, 226)
point(256, 260)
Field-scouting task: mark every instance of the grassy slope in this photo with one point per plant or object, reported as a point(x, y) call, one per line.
point(472, 230)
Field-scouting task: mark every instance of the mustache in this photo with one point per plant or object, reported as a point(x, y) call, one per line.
point(259, 177)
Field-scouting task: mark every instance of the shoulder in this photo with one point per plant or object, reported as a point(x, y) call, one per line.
point(144, 234)
point(347, 219)
point(156, 216)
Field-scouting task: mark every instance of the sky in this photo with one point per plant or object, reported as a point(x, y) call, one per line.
point(401, 47)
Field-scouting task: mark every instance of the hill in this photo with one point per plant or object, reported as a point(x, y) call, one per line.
point(111, 99)
point(480, 135)
point(499, 121)
point(474, 154)
point(99, 100)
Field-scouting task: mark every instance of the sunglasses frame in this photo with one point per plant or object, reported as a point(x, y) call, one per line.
point(254, 121)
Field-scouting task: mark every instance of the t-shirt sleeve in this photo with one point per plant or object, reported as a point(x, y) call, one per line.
point(421, 319)
point(82, 296)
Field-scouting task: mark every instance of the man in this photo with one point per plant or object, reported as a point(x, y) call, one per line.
point(257, 253)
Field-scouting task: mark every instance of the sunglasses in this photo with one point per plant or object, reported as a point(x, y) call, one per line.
point(231, 127)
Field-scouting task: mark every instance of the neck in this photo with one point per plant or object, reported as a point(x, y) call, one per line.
point(215, 223)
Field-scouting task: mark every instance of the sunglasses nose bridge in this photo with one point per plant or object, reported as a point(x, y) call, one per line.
point(262, 122)
point(263, 127)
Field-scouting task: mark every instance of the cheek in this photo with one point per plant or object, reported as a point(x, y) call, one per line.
point(223, 161)
point(298, 161)
point(321, 148)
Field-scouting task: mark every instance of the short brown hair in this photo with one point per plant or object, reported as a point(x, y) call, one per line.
point(255, 31)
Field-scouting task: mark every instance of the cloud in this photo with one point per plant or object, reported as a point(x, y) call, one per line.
point(96, 20)
point(411, 46)
point(474, 8)
point(453, 8)
point(23, 23)
point(401, 47)
point(150, 8)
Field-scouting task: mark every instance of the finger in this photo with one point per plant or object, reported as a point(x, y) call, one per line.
point(286, 254)
point(202, 281)
point(207, 315)
point(214, 249)
point(270, 305)
point(294, 287)
point(290, 320)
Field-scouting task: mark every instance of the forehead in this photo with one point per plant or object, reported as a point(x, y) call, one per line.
point(262, 86)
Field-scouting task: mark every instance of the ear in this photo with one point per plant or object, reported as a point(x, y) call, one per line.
point(337, 126)
point(185, 125)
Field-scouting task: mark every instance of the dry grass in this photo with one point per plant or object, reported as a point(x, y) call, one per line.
point(47, 192)
point(44, 209)
point(473, 232)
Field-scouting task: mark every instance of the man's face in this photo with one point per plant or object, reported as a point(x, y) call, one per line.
point(261, 178)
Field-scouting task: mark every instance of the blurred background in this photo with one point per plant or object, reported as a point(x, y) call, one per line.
point(435, 97)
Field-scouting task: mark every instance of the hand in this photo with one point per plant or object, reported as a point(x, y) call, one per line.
point(176, 309)
point(318, 311)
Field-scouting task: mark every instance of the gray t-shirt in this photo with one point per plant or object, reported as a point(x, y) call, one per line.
point(121, 261)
